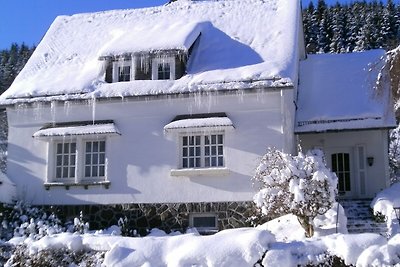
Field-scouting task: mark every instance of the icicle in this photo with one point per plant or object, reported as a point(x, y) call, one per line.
point(53, 112)
point(92, 105)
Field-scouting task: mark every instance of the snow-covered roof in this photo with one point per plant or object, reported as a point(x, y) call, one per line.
point(336, 92)
point(77, 129)
point(243, 44)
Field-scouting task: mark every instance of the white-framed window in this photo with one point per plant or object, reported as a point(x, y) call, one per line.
point(201, 143)
point(202, 150)
point(204, 222)
point(77, 160)
point(123, 70)
point(65, 160)
point(163, 68)
point(95, 159)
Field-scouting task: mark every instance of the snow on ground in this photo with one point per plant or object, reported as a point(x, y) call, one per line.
point(279, 242)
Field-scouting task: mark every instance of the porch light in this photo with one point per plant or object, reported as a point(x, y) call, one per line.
point(397, 212)
point(370, 161)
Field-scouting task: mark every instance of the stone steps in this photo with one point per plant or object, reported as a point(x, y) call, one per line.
point(360, 218)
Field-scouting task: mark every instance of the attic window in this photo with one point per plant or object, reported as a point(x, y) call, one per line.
point(122, 70)
point(163, 68)
point(124, 73)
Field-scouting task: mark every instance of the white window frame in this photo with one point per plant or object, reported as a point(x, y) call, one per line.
point(123, 62)
point(80, 152)
point(202, 170)
point(204, 229)
point(162, 60)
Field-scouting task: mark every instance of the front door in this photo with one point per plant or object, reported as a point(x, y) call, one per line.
point(340, 161)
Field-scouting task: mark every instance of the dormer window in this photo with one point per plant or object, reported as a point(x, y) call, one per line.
point(163, 68)
point(143, 66)
point(124, 74)
point(122, 70)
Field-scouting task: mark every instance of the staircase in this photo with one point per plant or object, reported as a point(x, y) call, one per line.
point(360, 218)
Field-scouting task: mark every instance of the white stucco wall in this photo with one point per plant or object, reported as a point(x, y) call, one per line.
point(140, 159)
point(375, 143)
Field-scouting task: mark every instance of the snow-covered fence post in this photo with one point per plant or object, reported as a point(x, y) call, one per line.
point(301, 185)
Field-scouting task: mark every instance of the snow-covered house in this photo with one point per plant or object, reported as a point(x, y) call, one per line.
point(159, 114)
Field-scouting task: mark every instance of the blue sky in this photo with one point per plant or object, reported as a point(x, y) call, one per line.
point(28, 20)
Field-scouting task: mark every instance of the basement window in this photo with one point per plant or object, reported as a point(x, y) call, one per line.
point(205, 223)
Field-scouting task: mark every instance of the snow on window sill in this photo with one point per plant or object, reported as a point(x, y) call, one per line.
point(218, 171)
point(84, 184)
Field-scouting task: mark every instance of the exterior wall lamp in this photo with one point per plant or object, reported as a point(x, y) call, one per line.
point(370, 161)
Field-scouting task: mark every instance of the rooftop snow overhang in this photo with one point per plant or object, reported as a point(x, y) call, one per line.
point(177, 38)
point(347, 124)
point(77, 128)
point(199, 122)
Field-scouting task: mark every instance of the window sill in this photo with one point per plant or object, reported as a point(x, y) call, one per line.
point(222, 171)
point(84, 184)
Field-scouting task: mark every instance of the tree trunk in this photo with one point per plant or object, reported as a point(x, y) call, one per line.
point(307, 226)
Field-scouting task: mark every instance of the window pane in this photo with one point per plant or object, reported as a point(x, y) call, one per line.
point(102, 146)
point(191, 162)
point(95, 159)
point(185, 140)
point(220, 150)
point(198, 163)
point(184, 152)
point(88, 146)
point(101, 171)
point(87, 158)
point(66, 148)
point(213, 139)
point(59, 148)
point(72, 172)
point(197, 151)
point(207, 150)
point(72, 160)
point(213, 161)
point(87, 171)
point(220, 161)
point(65, 172)
point(95, 146)
point(207, 162)
point(204, 222)
point(191, 151)
point(191, 140)
point(73, 148)
point(58, 172)
point(66, 160)
point(206, 140)
point(59, 160)
point(220, 139)
point(197, 140)
point(185, 163)
point(94, 171)
point(213, 150)
point(102, 159)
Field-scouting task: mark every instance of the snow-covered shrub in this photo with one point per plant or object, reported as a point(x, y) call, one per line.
point(301, 185)
point(55, 257)
point(79, 226)
point(23, 220)
point(394, 154)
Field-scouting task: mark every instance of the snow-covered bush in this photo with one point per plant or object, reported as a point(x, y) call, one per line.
point(301, 185)
point(23, 220)
point(55, 257)
point(394, 155)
